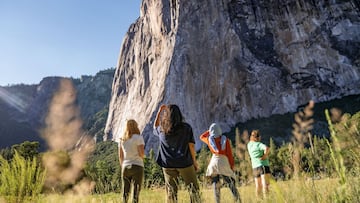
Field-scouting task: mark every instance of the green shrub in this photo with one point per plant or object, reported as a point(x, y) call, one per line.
point(20, 178)
point(153, 172)
point(103, 167)
point(27, 149)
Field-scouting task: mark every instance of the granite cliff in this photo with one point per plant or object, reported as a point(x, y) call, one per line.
point(230, 61)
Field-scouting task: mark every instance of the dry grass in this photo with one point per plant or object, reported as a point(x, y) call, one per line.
point(301, 190)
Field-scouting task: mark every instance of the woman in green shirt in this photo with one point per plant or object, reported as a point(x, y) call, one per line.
point(259, 155)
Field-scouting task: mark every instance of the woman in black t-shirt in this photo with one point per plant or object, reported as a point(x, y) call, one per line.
point(177, 152)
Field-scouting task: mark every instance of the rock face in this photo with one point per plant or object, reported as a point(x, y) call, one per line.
point(94, 92)
point(230, 61)
point(23, 108)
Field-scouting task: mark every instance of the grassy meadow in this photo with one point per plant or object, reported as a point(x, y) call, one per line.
point(302, 190)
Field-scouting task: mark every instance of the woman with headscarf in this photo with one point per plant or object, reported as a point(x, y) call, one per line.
point(221, 165)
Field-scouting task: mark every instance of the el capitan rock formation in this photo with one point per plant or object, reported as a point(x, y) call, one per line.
point(230, 61)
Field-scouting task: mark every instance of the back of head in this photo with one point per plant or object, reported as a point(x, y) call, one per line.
point(215, 130)
point(171, 118)
point(130, 129)
point(176, 116)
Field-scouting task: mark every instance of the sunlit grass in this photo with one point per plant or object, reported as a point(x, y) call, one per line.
point(302, 190)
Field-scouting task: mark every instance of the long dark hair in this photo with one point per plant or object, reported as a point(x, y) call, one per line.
point(171, 118)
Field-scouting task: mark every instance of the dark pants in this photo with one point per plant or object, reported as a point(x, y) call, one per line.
point(230, 182)
point(171, 182)
point(261, 170)
point(132, 175)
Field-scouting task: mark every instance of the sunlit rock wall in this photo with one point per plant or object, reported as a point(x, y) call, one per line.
point(230, 61)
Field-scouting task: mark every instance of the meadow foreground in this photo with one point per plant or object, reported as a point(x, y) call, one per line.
point(302, 190)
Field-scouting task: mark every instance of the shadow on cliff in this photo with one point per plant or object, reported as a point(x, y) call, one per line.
point(279, 127)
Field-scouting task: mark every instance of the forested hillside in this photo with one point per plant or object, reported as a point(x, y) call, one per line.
point(23, 108)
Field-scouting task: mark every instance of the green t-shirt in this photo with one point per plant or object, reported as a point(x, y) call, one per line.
point(256, 151)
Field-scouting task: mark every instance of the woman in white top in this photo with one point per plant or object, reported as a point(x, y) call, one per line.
point(131, 157)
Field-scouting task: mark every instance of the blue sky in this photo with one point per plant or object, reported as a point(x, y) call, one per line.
point(70, 38)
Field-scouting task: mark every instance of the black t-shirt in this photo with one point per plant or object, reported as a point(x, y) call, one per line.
point(174, 149)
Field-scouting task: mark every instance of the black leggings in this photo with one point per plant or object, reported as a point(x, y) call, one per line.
point(229, 181)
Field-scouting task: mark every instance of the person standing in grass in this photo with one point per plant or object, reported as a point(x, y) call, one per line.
point(221, 165)
point(131, 157)
point(259, 155)
point(177, 152)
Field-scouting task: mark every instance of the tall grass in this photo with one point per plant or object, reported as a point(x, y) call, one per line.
point(20, 178)
point(342, 147)
point(295, 191)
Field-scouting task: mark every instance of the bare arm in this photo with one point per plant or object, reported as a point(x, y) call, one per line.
point(157, 119)
point(193, 155)
point(266, 153)
point(230, 155)
point(121, 154)
point(204, 136)
point(140, 149)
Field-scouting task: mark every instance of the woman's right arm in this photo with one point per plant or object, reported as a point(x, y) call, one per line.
point(204, 137)
point(121, 154)
point(157, 118)
point(193, 155)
